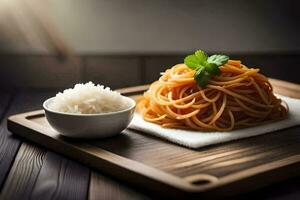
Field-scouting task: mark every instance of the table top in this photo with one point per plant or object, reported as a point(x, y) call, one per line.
point(28, 171)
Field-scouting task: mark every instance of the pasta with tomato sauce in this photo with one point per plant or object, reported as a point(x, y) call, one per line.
point(238, 97)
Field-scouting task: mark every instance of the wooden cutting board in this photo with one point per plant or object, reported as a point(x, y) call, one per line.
point(174, 171)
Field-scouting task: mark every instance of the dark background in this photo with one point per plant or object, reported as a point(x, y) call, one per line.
point(123, 43)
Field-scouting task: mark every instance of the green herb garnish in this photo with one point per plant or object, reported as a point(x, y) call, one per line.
point(205, 66)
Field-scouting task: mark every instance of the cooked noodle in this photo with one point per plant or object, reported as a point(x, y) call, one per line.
point(239, 97)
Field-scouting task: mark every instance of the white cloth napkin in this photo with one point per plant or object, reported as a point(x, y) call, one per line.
point(196, 139)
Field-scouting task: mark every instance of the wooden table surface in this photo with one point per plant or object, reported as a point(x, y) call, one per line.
point(28, 171)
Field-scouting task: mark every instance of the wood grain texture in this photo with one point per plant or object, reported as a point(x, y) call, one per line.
point(5, 96)
point(286, 88)
point(23, 174)
point(133, 156)
point(103, 187)
point(218, 160)
point(61, 178)
point(68, 179)
point(4, 102)
point(120, 158)
point(9, 145)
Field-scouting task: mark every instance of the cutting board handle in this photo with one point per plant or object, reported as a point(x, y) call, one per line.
point(201, 179)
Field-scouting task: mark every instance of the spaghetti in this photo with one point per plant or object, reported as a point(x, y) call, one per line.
point(238, 97)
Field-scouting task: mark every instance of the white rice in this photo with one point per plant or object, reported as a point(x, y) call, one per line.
point(88, 99)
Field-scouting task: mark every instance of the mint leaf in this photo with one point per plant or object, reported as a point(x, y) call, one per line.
point(192, 61)
point(218, 59)
point(199, 74)
point(204, 80)
point(201, 55)
point(212, 68)
point(205, 66)
point(202, 77)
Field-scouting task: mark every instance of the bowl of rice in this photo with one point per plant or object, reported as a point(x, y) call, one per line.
point(89, 111)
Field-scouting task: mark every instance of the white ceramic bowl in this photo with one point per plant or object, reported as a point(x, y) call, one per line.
point(89, 125)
